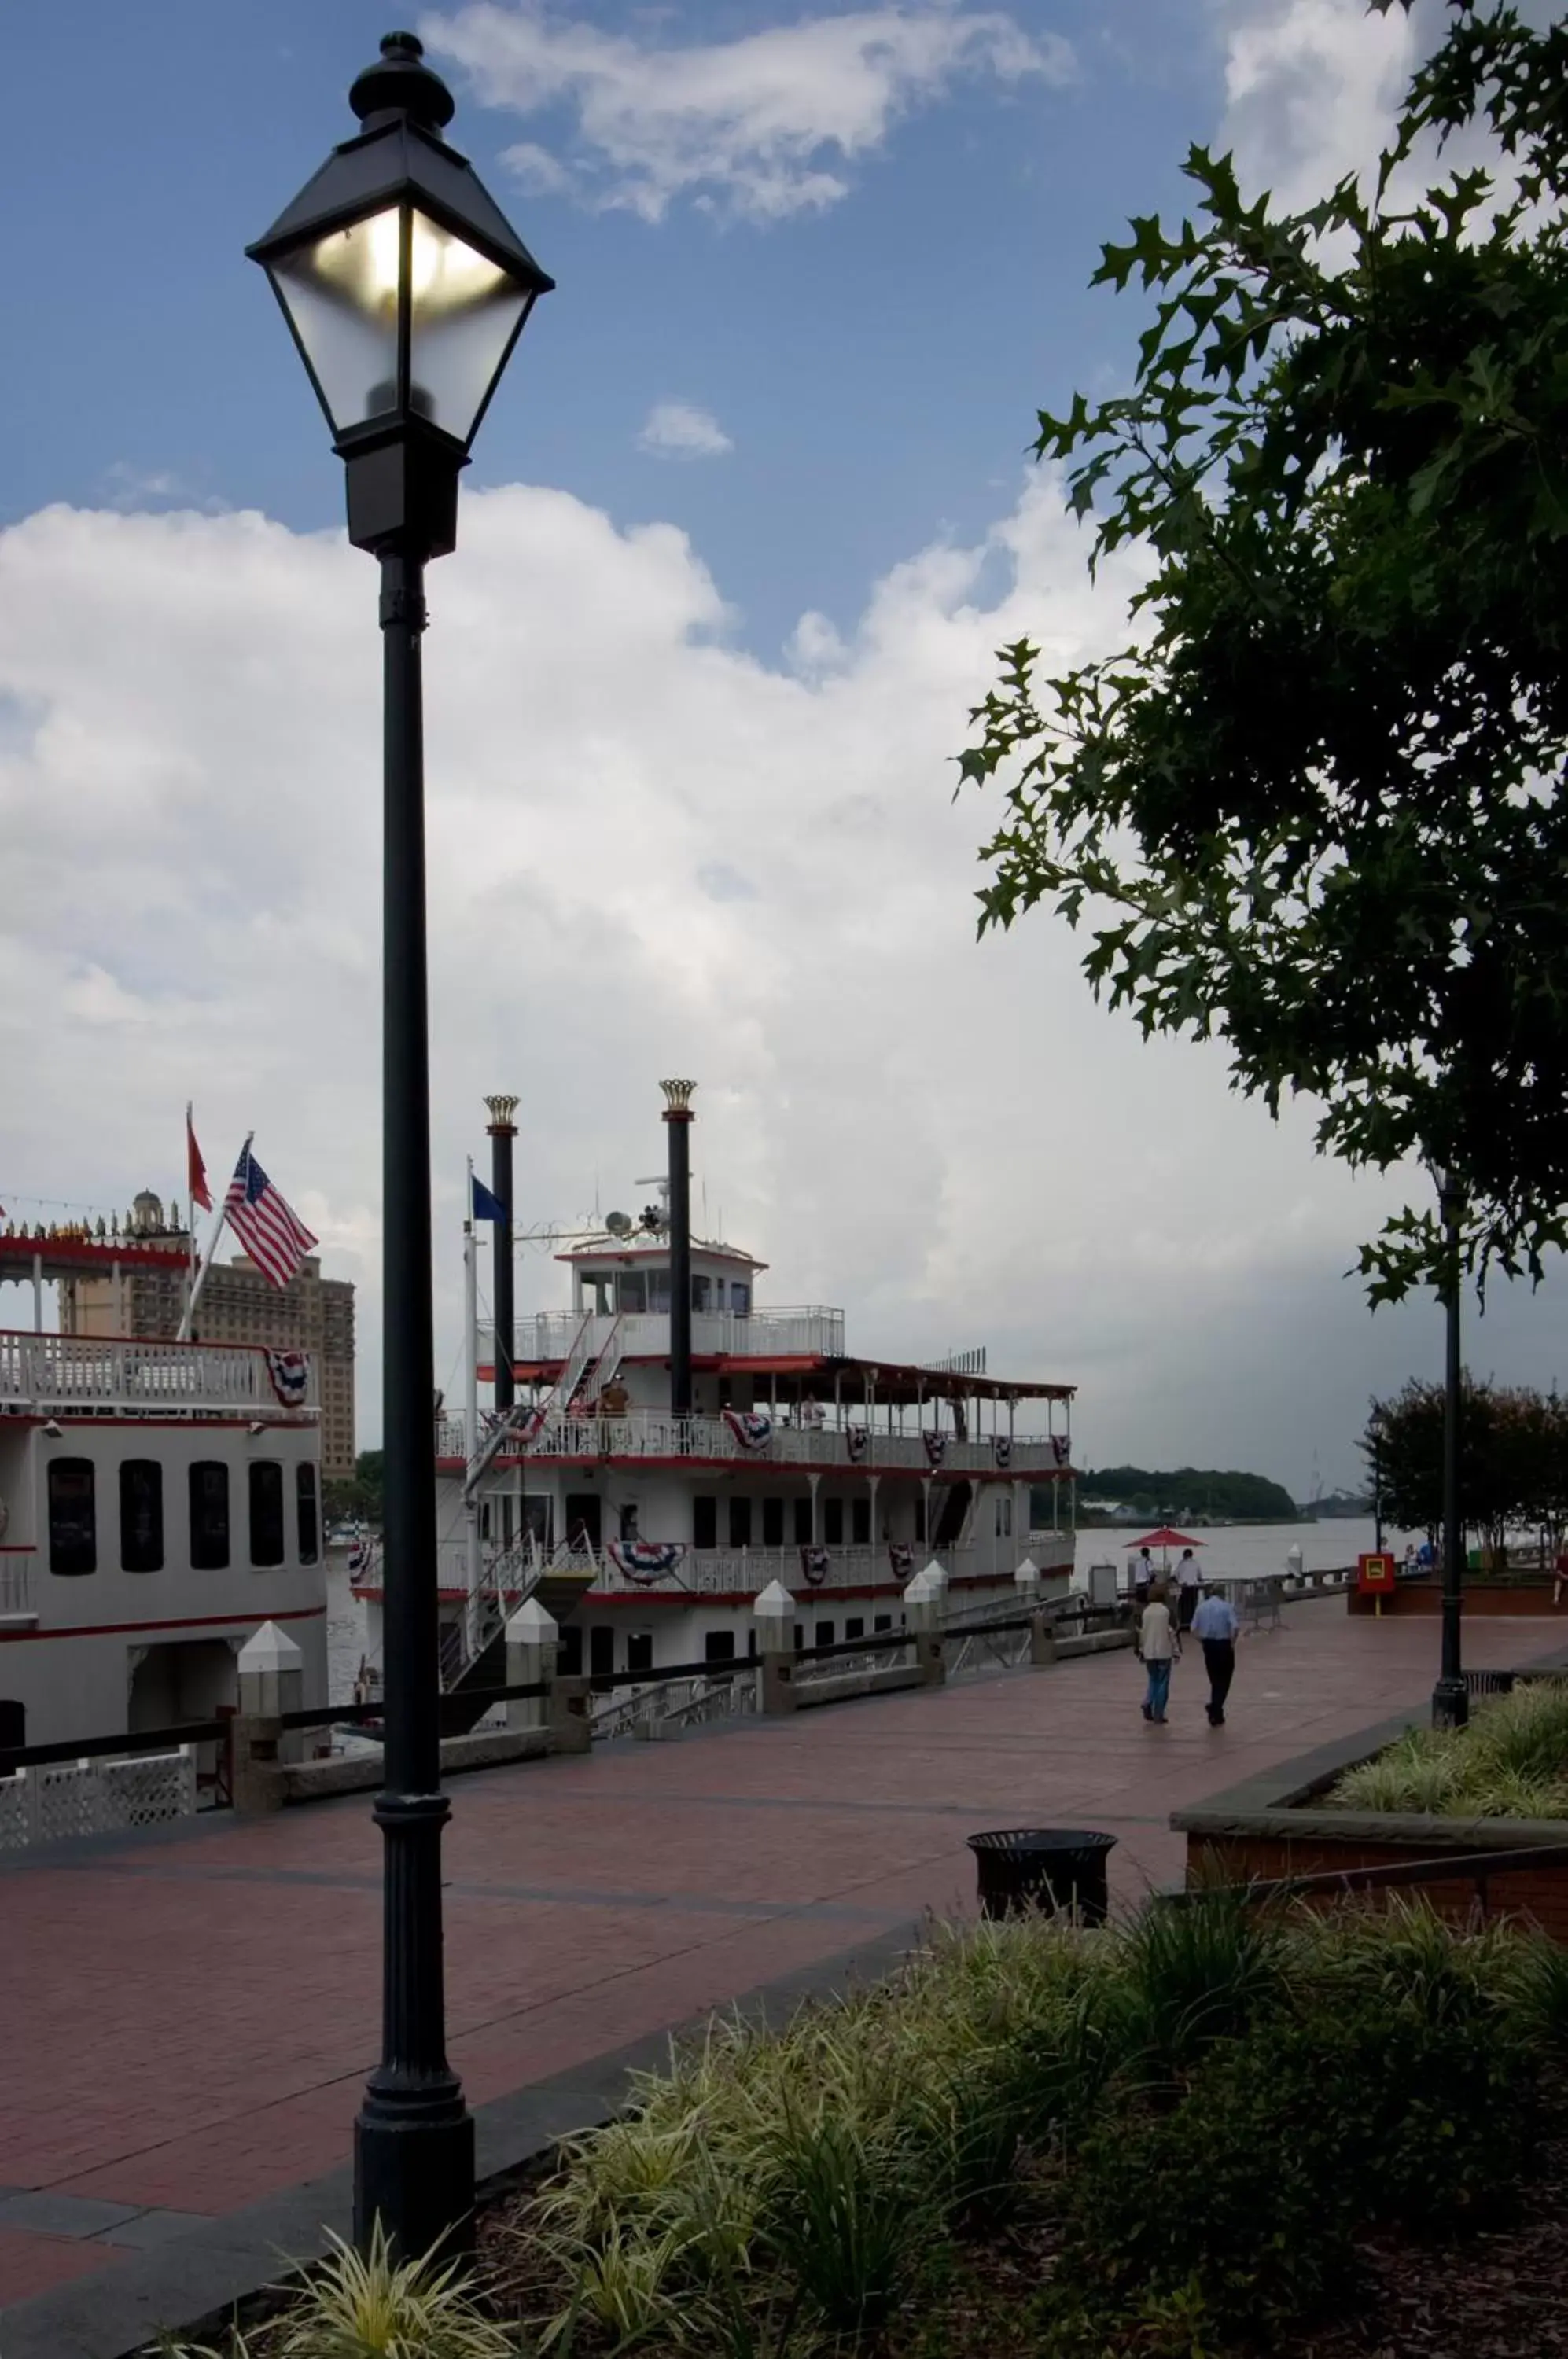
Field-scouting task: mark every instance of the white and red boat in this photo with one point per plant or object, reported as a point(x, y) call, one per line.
point(647, 1528)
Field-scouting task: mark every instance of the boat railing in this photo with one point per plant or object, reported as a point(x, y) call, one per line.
point(841, 1445)
point(812, 1332)
point(83, 1372)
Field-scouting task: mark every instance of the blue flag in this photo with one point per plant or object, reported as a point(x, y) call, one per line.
point(485, 1206)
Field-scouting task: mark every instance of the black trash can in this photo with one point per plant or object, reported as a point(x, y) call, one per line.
point(1052, 1869)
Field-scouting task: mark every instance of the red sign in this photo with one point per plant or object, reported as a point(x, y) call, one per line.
point(1374, 1573)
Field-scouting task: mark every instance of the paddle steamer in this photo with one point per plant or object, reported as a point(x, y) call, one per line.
point(651, 1473)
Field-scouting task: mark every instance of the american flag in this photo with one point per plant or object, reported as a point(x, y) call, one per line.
point(276, 1238)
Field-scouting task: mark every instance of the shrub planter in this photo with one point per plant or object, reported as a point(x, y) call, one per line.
point(1276, 1825)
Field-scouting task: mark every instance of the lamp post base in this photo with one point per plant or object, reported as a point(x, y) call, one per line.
point(417, 2178)
point(1450, 1704)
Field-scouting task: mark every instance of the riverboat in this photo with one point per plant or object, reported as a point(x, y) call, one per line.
point(158, 1503)
point(653, 1475)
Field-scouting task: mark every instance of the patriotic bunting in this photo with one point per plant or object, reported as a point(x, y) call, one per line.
point(936, 1447)
point(1060, 1448)
point(814, 1564)
point(289, 1373)
point(645, 1560)
point(1002, 1448)
point(752, 1428)
point(855, 1438)
point(900, 1556)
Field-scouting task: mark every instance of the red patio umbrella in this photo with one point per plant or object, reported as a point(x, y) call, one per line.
point(1166, 1540)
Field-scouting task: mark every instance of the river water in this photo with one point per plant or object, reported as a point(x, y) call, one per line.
point(1228, 1549)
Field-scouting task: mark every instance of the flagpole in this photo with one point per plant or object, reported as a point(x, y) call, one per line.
point(190, 1202)
point(470, 1383)
point(201, 1279)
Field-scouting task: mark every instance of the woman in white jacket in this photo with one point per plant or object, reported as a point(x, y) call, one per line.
point(1157, 1646)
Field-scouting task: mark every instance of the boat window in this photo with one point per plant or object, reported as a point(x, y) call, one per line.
point(209, 1514)
point(600, 1651)
point(1041, 1498)
point(920, 1519)
point(13, 1724)
point(1004, 1515)
point(639, 1650)
point(569, 1651)
point(72, 1516)
point(832, 1522)
point(773, 1522)
point(305, 1512)
point(705, 1522)
point(882, 1622)
point(265, 1511)
point(631, 1290)
point(800, 1638)
point(629, 1520)
point(825, 1634)
point(719, 1646)
point(702, 1290)
point(597, 1287)
point(740, 1523)
point(141, 1515)
point(538, 1518)
point(860, 1522)
point(740, 1300)
point(658, 1290)
point(802, 1523)
point(854, 1627)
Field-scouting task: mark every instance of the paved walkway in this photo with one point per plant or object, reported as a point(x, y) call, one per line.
point(190, 2019)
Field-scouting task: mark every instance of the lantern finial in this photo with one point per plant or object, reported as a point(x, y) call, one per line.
point(400, 82)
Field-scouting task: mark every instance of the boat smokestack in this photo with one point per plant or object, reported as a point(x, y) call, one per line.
point(503, 1130)
point(678, 1114)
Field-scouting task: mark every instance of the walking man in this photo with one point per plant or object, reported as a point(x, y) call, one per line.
point(1214, 1626)
point(1189, 1587)
point(1156, 1644)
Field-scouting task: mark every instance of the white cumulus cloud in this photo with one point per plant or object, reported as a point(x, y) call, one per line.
point(682, 860)
point(764, 125)
point(679, 429)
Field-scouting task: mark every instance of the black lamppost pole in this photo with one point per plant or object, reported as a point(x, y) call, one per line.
point(406, 289)
point(1450, 1697)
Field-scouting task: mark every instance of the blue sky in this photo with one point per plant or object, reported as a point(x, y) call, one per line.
point(674, 826)
point(875, 364)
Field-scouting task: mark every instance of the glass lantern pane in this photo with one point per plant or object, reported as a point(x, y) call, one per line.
point(342, 296)
point(463, 312)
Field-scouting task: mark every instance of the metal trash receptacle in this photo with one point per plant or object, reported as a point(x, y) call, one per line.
point(1056, 1870)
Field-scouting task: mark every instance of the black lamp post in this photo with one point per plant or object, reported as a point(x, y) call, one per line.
point(406, 289)
point(1450, 1697)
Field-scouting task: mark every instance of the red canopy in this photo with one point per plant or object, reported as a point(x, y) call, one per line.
point(1165, 1539)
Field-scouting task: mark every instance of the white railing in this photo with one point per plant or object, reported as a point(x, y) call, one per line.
point(726, 1572)
point(94, 1797)
point(650, 1434)
point(68, 1372)
point(722, 1694)
point(16, 1586)
point(813, 1334)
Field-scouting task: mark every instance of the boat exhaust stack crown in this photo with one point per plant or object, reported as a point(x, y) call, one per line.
point(503, 1130)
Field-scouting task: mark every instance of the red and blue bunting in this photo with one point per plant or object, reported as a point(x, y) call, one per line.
point(752, 1428)
point(645, 1560)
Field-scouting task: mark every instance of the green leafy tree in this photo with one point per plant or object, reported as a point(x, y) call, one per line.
point(1513, 1460)
point(1315, 807)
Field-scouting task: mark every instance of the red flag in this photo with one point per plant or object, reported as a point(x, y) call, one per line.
point(196, 1170)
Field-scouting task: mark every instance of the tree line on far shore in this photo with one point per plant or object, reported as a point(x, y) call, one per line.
point(1513, 1460)
point(1192, 1492)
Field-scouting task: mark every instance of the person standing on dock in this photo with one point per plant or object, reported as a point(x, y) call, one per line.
point(1156, 1645)
point(1189, 1587)
point(1214, 1626)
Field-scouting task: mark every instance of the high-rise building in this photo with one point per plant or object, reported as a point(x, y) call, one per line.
point(238, 1305)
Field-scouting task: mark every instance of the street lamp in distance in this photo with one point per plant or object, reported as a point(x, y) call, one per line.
point(406, 289)
point(1451, 1697)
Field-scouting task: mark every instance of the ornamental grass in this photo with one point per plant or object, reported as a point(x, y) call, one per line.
point(1511, 1762)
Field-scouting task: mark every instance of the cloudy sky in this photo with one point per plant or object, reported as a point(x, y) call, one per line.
point(747, 521)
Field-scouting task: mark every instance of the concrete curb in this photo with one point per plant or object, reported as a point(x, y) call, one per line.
point(190, 2285)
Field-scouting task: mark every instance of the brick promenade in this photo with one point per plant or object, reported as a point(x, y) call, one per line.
point(190, 2019)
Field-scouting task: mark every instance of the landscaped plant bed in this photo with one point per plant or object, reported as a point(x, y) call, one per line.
point(1218, 2129)
point(1399, 1795)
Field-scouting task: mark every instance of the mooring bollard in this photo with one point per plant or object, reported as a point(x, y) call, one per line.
point(923, 1602)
